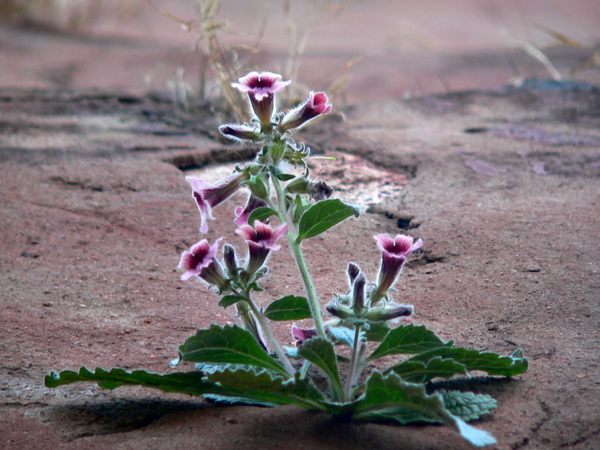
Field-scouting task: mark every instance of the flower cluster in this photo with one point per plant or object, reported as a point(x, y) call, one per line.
point(374, 304)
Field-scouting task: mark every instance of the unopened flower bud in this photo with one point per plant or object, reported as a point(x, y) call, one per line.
point(316, 105)
point(229, 259)
point(298, 186)
point(337, 310)
point(358, 294)
point(389, 312)
point(353, 271)
point(242, 133)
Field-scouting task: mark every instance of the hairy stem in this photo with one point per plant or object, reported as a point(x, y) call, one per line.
point(273, 342)
point(311, 293)
point(354, 363)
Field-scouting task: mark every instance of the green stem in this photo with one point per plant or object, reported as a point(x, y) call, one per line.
point(354, 363)
point(266, 328)
point(311, 293)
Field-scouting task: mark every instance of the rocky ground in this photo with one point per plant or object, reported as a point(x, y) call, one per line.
point(501, 183)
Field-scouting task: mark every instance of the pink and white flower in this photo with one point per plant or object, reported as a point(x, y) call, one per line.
point(316, 105)
point(261, 239)
point(207, 197)
point(200, 261)
point(393, 255)
point(261, 88)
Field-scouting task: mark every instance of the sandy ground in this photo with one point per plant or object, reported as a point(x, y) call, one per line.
point(502, 184)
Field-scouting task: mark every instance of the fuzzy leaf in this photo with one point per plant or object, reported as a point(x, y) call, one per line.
point(183, 382)
point(261, 214)
point(468, 405)
point(390, 398)
point(227, 345)
point(408, 339)
point(342, 335)
point(424, 372)
point(258, 385)
point(377, 331)
point(229, 300)
point(323, 215)
point(321, 353)
point(490, 362)
point(289, 307)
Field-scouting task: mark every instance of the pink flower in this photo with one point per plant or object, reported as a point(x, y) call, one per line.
point(261, 239)
point(208, 197)
point(393, 255)
point(201, 262)
point(316, 105)
point(242, 214)
point(261, 88)
point(303, 334)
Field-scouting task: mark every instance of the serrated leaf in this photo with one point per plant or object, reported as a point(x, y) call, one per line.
point(261, 214)
point(423, 372)
point(323, 215)
point(390, 398)
point(377, 331)
point(183, 382)
point(289, 307)
point(229, 300)
point(408, 339)
point(468, 405)
point(321, 353)
point(227, 345)
point(265, 386)
point(490, 362)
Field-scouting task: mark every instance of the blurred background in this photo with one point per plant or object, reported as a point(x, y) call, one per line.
point(358, 50)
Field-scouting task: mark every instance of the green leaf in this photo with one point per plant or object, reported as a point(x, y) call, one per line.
point(289, 307)
point(408, 339)
point(468, 405)
point(342, 335)
point(323, 215)
point(228, 345)
point(191, 383)
point(377, 331)
point(490, 362)
point(261, 214)
point(424, 372)
point(321, 353)
point(268, 388)
point(229, 300)
point(390, 398)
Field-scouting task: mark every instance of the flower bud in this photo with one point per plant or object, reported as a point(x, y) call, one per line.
point(241, 133)
point(389, 312)
point(353, 271)
point(337, 310)
point(230, 260)
point(358, 294)
point(316, 105)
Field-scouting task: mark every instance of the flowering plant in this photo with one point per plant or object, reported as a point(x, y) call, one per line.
point(246, 363)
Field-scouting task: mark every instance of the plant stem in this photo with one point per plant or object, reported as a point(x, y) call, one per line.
point(311, 293)
point(266, 328)
point(354, 363)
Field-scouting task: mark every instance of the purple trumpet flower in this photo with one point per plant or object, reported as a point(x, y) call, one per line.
point(261, 239)
point(242, 214)
point(393, 255)
point(207, 197)
point(200, 261)
point(316, 105)
point(261, 88)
